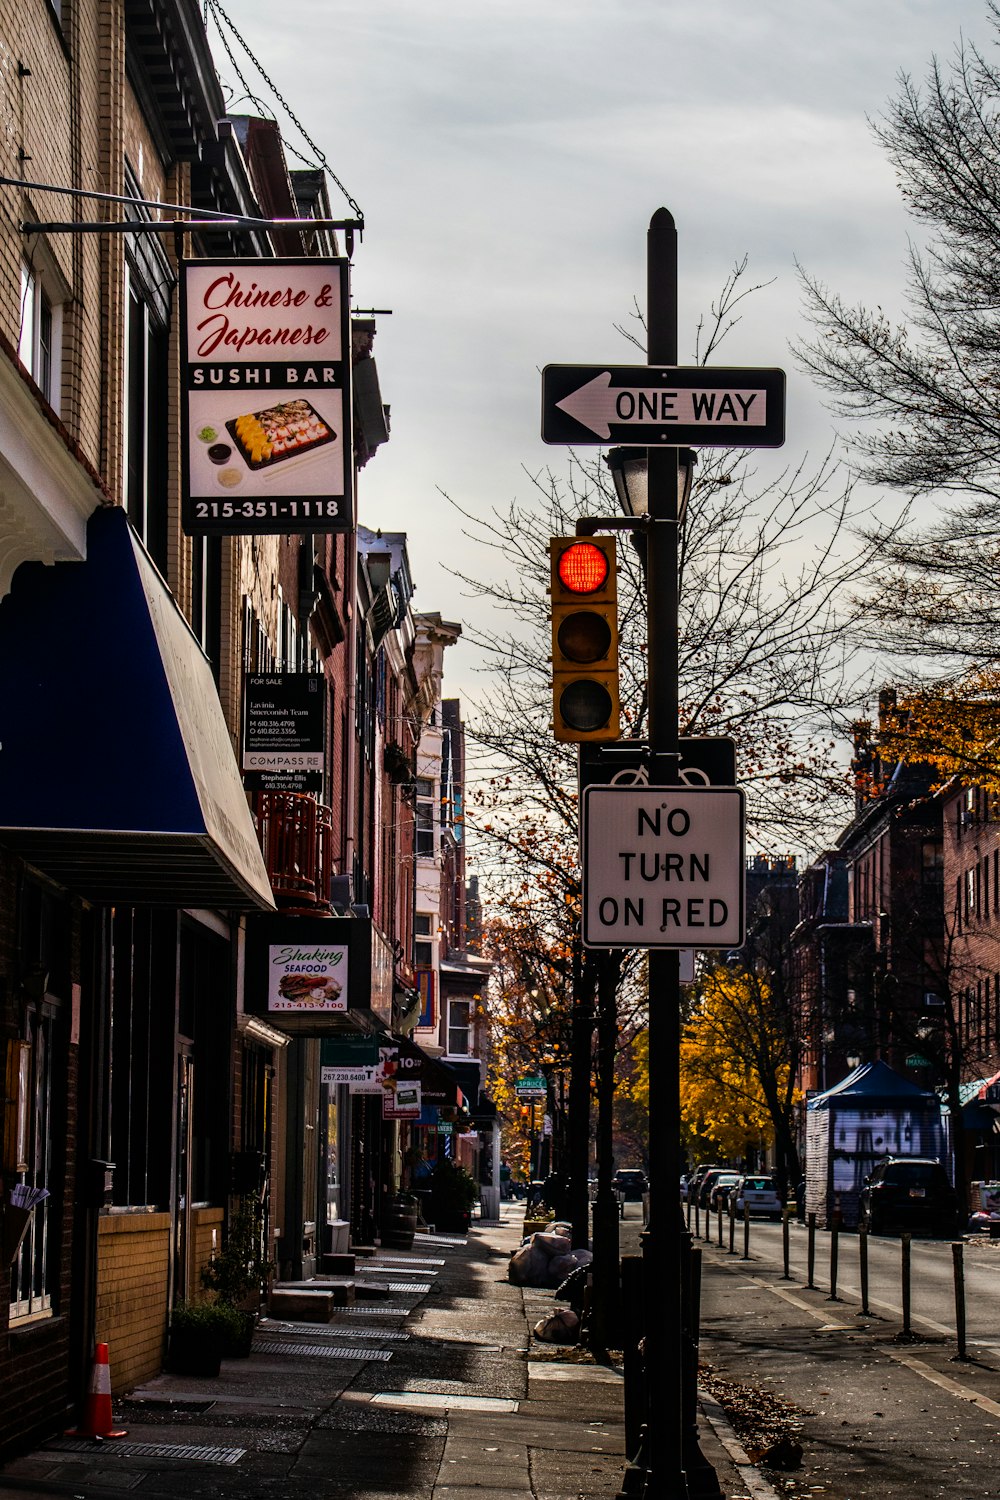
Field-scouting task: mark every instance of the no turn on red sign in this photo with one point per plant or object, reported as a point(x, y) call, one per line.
point(663, 867)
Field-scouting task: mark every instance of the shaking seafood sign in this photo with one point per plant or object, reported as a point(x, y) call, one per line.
point(306, 977)
point(267, 399)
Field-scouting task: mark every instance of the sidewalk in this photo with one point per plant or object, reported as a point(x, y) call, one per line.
point(434, 1390)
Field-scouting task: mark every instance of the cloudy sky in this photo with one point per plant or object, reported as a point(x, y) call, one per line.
point(508, 154)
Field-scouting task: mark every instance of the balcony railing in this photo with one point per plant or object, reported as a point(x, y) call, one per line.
point(296, 837)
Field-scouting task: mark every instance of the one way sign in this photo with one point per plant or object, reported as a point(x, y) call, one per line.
point(654, 405)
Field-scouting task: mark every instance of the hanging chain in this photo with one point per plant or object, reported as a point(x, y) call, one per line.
point(218, 10)
point(247, 91)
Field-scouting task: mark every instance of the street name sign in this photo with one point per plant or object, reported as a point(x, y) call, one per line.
point(655, 405)
point(663, 867)
point(531, 1088)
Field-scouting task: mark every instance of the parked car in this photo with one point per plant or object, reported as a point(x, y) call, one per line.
point(697, 1177)
point(718, 1195)
point(631, 1182)
point(909, 1193)
point(759, 1194)
point(708, 1182)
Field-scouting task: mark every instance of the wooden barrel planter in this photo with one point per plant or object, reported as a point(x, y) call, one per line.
point(399, 1223)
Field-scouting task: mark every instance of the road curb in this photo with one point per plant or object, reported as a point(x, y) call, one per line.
point(756, 1485)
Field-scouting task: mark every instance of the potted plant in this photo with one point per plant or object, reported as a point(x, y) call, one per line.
point(453, 1195)
point(537, 1220)
point(237, 1273)
point(201, 1334)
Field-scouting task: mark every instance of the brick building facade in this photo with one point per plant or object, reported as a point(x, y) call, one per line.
point(145, 1093)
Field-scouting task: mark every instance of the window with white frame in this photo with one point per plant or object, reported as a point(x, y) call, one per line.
point(423, 946)
point(459, 1028)
point(424, 817)
point(39, 344)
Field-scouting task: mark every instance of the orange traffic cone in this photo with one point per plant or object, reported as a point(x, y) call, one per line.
point(97, 1419)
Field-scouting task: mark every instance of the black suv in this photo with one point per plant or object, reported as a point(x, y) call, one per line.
point(909, 1193)
point(632, 1182)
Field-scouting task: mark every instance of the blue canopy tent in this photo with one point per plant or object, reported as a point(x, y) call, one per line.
point(873, 1112)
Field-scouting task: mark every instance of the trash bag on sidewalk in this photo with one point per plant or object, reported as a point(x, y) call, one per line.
point(560, 1328)
point(545, 1261)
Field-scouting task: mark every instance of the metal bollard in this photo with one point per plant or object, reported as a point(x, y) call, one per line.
point(905, 1243)
point(746, 1232)
point(786, 1250)
point(811, 1250)
point(697, 1220)
point(863, 1270)
point(732, 1226)
point(720, 1223)
point(958, 1257)
point(834, 1254)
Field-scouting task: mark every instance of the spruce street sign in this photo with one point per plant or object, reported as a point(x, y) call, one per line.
point(663, 405)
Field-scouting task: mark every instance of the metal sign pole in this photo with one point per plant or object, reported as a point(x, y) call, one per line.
point(665, 1476)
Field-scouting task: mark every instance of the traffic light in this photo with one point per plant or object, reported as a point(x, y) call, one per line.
point(584, 588)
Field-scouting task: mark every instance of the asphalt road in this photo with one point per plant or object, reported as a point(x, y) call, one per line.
point(882, 1417)
point(932, 1281)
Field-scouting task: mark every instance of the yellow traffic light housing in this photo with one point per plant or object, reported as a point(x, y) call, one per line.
point(584, 588)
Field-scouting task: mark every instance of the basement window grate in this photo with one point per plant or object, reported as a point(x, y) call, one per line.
point(375, 1312)
point(103, 1451)
point(338, 1333)
point(324, 1350)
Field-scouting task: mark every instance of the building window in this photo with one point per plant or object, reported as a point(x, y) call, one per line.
point(459, 1028)
point(932, 863)
point(970, 893)
point(38, 346)
point(424, 817)
point(145, 427)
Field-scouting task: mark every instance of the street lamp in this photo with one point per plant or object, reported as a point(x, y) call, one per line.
point(630, 474)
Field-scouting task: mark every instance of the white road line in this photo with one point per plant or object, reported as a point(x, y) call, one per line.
point(853, 1291)
point(945, 1383)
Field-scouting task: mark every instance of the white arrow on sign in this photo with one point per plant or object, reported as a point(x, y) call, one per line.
point(596, 405)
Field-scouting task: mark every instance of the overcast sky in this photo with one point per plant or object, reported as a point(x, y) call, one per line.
point(508, 155)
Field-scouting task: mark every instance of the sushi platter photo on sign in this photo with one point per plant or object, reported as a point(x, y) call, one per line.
point(267, 400)
point(306, 978)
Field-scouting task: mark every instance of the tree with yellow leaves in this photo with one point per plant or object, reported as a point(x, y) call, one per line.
point(737, 1061)
point(952, 728)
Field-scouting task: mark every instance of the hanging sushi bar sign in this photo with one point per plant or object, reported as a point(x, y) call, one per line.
point(266, 420)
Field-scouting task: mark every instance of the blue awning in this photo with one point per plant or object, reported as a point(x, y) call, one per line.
point(117, 773)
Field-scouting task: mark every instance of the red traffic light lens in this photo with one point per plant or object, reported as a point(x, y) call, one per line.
point(583, 568)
